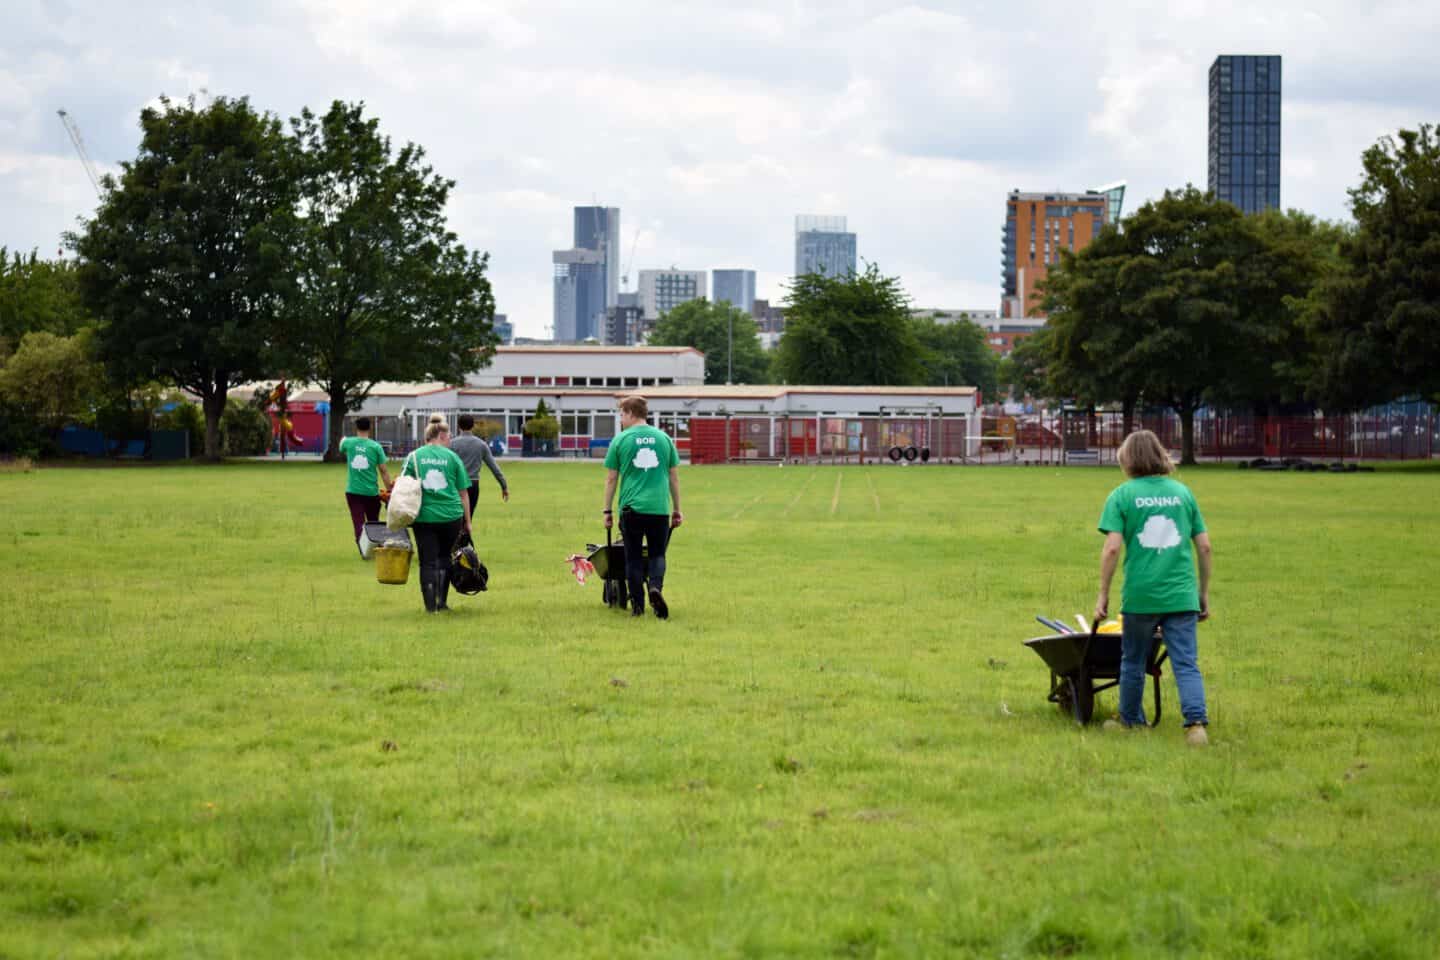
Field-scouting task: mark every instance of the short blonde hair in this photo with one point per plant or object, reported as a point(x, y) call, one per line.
point(436, 428)
point(636, 406)
point(437, 418)
point(1143, 455)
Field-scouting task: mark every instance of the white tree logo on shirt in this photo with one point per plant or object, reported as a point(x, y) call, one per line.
point(434, 480)
point(1160, 533)
point(646, 459)
point(361, 462)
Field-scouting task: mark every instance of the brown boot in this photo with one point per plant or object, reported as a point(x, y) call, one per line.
point(1196, 736)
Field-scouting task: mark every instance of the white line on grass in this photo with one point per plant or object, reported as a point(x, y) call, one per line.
point(874, 494)
point(803, 487)
point(835, 498)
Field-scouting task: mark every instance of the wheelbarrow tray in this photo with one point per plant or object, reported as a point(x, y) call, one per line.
point(1064, 653)
point(1078, 660)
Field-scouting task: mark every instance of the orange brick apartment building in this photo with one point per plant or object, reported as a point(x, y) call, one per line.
point(1037, 227)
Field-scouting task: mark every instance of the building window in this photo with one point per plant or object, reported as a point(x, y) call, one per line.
point(511, 381)
point(544, 381)
point(562, 381)
point(575, 424)
point(527, 381)
point(516, 423)
point(632, 381)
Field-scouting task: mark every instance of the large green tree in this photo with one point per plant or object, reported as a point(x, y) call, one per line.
point(1294, 253)
point(956, 354)
point(186, 261)
point(1186, 304)
point(1377, 320)
point(726, 335)
point(383, 290)
point(853, 330)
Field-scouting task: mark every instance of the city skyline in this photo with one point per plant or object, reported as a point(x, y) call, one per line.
point(712, 143)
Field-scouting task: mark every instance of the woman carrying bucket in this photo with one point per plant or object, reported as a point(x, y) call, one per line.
point(444, 511)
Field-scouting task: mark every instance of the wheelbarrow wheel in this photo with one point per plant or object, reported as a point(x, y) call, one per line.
point(607, 593)
point(1064, 702)
point(1082, 695)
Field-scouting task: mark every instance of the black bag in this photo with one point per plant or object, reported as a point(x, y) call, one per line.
point(467, 574)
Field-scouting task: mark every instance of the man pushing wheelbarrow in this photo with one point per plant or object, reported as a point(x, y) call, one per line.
point(643, 463)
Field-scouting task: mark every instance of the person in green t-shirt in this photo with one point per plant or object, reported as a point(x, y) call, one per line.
point(643, 462)
point(444, 511)
point(1156, 519)
point(364, 459)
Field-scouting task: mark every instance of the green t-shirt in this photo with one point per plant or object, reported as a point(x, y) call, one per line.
point(644, 456)
point(363, 457)
point(1157, 516)
point(442, 476)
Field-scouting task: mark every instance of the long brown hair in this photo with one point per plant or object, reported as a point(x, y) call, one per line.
point(1143, 455)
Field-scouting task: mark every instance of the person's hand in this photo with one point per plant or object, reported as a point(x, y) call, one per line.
point(1102, 608)
point(609, 519)
point(505, 495)
point(676, 519)
point(1204, 607)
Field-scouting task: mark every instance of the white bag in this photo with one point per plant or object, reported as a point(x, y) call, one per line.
point(404, 500)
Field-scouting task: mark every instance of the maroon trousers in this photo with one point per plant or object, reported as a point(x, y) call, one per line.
point(362, 508)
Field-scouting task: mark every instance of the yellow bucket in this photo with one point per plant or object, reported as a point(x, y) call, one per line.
point(392, 565)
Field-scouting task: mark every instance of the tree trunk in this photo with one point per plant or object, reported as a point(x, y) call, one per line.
point(1187, 434)
point(214, 405)
point(336, 432)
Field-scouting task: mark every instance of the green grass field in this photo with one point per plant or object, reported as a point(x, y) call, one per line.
point(220, 737)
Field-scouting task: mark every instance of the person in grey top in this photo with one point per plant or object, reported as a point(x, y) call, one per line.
point(472, 452)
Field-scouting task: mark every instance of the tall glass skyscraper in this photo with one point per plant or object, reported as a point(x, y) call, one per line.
point(737, 286)
point(822, 245)
point(1245, 131)
point(586, 277)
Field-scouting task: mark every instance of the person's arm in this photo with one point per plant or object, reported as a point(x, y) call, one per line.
point(612, 477)
point(676, 517)
point(1202, 554)
point(385, 474)
point(1109, 557)
point(489, 459)
point(465, 507)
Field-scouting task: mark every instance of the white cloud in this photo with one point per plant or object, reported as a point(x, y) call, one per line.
point(712, 124)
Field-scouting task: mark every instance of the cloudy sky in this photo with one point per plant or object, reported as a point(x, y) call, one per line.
point(710, 125)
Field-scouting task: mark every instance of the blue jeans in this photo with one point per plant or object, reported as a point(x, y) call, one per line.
point(1179, 629)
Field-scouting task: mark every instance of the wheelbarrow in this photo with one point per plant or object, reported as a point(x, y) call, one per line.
point(609, 563)
point(1083, 664)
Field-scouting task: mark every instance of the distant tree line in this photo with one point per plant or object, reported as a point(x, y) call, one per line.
point(235, 248)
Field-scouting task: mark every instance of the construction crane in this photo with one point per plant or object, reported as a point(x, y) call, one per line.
point(630, 260)
point(84, 154)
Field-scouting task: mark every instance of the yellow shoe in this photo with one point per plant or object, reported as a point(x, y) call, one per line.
point(1196, 736)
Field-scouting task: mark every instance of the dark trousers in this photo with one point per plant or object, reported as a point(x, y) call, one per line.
point(362, 507)
point(433, 541)
point(474, 492)
point(642, 530)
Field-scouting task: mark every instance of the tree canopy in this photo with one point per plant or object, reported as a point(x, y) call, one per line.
point(715, 329)
point(1377, 320)
point(955, 354)
point(853, 330)
point(38, 295)
point(382, 289)
point(185, 262)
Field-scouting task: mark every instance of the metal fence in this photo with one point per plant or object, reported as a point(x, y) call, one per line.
point(1401, 433)
point(717, 439)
